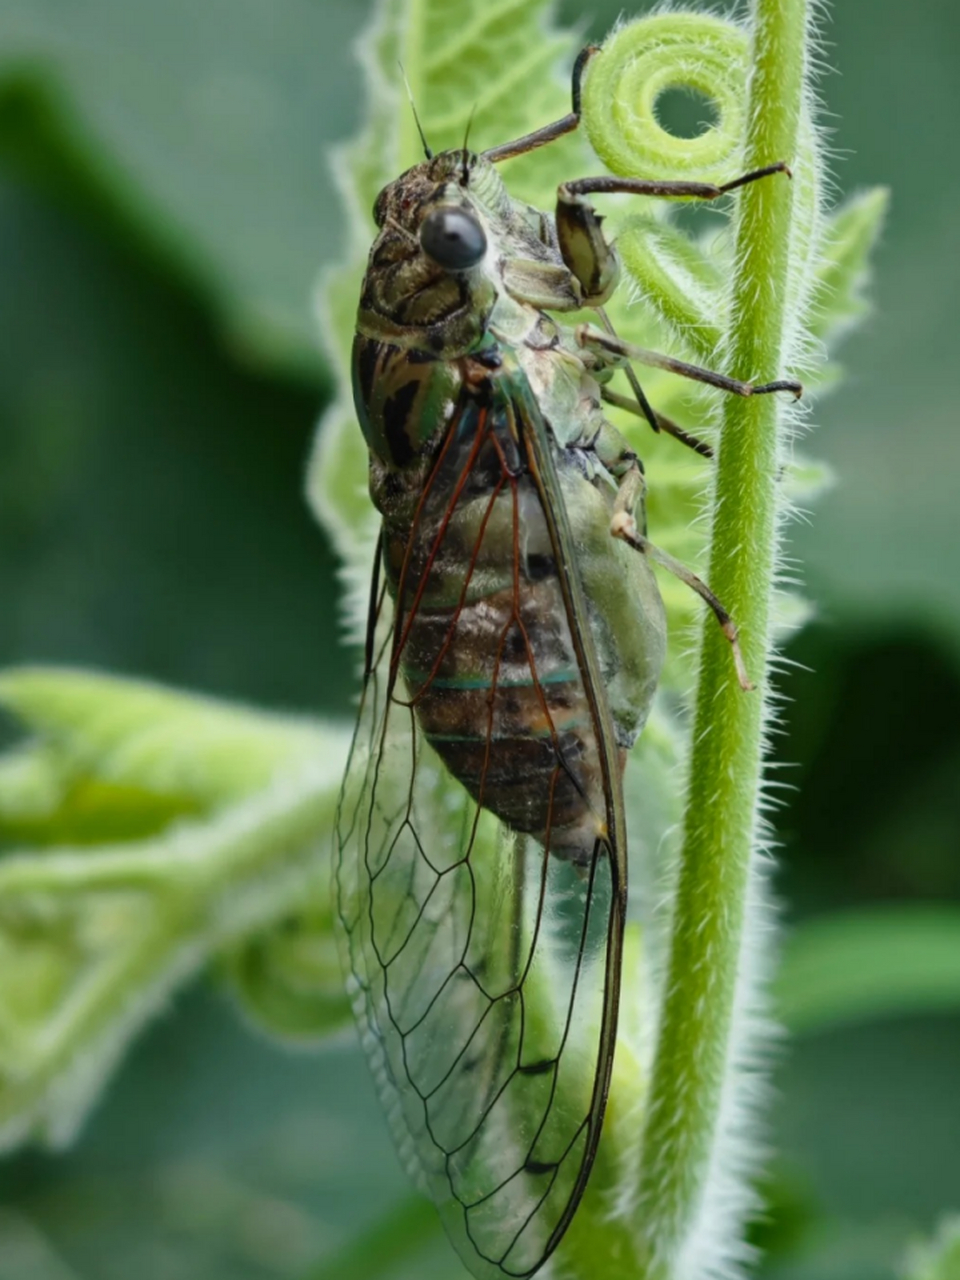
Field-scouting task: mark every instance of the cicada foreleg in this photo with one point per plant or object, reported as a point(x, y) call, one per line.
point(624, 465)
point(550, 132)
point(584, 247)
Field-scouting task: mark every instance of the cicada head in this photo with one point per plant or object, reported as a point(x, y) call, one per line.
point(434, 269)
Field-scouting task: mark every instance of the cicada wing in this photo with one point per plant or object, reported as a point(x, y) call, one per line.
point(484, 961)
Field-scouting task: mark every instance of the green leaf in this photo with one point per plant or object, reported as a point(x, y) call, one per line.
point(114, 757)
point(288, 980)
point(92, 943)
point(94, 938)
point(870, 963)
point(850, 238)
point(677, 279)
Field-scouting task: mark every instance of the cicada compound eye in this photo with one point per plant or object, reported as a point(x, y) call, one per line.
point(453, 238)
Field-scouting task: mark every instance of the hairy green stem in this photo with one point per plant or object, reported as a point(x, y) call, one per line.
point(721, 823)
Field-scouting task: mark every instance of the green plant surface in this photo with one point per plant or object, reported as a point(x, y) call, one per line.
point(115, 383)
point(105, 748)
point(94, 937)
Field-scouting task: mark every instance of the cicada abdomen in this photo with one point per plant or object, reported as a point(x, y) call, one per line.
point(483, 636)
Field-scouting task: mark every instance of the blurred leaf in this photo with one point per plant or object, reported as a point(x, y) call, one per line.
point(867, 1112)
point(214, 1157)
point(206, 125)
point(93, 940)
point(884, 546)
point(114, 755)
point(150, 509)
point(27, 1253)
point(93, 943)
point(870, 963)
point(876, 813)
point(288, 980)
point(844, 1250)
point(807, 479)
point(790, 1212)
point(940, 1258)
point(399, 1235)
point(843, 274)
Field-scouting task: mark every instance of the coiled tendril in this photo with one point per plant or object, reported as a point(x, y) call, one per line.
point(639, 64)
point(704, 54)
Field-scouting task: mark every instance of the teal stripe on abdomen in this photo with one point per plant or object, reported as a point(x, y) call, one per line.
point(418, 679)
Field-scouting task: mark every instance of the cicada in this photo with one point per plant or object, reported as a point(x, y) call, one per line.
point(513, 650)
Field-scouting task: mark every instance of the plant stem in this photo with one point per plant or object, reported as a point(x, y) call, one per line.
point(693, 1054)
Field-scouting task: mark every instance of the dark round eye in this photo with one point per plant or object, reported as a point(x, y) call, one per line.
point(453, 238)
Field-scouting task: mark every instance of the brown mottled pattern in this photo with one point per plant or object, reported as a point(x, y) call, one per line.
point(487, 653)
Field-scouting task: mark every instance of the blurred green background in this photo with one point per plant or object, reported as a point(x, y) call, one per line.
point(164, 209)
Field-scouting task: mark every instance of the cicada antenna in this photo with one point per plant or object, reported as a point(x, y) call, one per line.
point(413, 107)
point(465, 171)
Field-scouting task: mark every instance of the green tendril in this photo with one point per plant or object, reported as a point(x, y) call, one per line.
point(638, 65)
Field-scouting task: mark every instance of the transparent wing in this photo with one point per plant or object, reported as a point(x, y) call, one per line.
point(481, 918)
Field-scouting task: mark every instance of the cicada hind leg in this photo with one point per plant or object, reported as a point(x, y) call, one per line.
point(626, 468)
